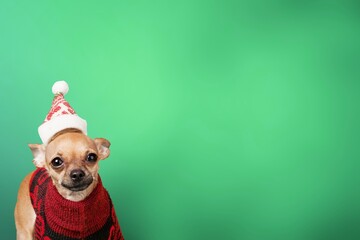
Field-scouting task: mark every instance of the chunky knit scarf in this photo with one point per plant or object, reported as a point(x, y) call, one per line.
point(60, 219)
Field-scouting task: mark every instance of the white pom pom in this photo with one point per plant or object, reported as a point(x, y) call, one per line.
point(60, 87)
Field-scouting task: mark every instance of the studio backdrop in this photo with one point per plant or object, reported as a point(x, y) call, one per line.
point(227, 119)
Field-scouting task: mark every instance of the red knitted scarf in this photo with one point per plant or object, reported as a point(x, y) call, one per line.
point(59, 218)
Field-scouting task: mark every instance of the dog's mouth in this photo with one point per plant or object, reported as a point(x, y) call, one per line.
point(76, 187)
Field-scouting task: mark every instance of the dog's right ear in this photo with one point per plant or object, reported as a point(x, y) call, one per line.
point(38, 151)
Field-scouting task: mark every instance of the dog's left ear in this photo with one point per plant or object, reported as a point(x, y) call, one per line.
point(103, 147)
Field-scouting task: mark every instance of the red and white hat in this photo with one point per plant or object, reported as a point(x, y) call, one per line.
point(61, 115)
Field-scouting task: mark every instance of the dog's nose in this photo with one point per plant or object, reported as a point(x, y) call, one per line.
point(77, 175)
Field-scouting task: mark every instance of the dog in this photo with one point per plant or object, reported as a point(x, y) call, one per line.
point(65, 191)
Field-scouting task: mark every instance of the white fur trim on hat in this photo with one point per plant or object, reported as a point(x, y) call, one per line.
point(55, 125)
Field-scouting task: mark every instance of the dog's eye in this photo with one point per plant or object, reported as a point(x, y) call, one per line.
point(57, 162)
point(91, 157)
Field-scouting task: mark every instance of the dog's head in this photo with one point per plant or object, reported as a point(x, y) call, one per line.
point(71, 159)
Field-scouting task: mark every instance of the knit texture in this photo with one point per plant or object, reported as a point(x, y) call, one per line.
point(57, 218)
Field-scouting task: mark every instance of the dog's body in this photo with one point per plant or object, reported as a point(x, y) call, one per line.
point(71, 161)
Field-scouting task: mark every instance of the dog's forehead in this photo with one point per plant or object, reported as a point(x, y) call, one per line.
point(68, 141)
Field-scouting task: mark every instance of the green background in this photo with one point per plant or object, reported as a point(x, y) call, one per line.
point(228, 119)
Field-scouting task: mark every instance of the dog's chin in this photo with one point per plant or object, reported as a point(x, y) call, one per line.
point(78, 187)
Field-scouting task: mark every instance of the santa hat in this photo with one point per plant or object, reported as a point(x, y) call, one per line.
point(61, 115)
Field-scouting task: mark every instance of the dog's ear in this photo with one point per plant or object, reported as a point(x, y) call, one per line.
point(103, 147)
point(38, 151)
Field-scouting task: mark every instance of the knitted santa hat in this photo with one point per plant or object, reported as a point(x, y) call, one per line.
point(61, 115)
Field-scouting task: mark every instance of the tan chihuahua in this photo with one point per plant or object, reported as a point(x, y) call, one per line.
point(69, 163)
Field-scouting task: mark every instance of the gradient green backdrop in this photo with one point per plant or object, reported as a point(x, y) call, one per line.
point(228, 119)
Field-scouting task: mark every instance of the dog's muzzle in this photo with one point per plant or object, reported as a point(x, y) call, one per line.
point(78, 184)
